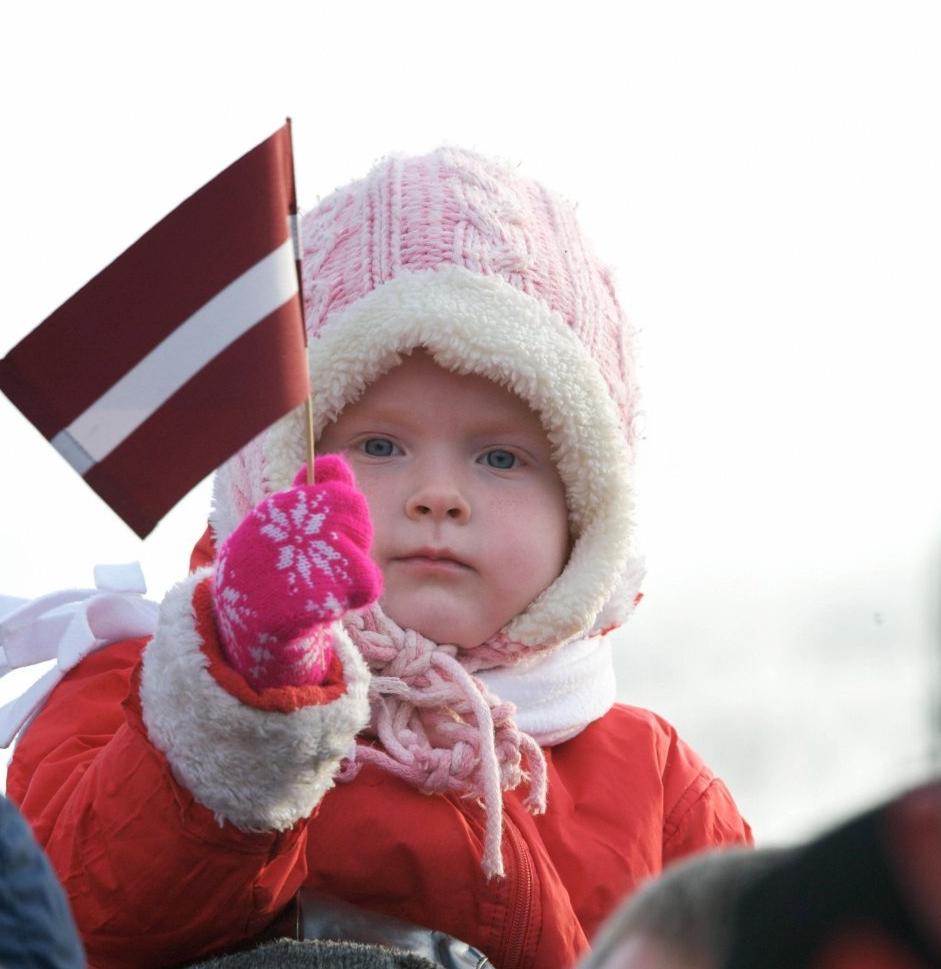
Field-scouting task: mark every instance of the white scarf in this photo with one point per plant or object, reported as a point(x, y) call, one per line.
point(559, 693)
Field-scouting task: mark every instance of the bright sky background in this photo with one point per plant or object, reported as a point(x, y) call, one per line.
point(765, 180)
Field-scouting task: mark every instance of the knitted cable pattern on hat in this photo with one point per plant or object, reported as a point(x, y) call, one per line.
point(440, 729)
point(456, 208)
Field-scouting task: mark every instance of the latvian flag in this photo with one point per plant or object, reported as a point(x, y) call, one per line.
point(188, 345)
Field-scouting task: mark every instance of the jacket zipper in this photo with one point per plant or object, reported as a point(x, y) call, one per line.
point(519, 897)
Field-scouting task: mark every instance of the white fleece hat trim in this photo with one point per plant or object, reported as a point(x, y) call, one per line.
point(258, 769)
point(478, 324)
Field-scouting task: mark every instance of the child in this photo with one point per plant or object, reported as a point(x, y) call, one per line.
point(449, 754)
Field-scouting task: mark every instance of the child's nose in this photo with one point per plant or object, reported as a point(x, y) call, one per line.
point(438, 502)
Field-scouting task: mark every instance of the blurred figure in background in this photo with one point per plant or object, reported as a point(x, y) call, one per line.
point(866, 895)
point(36, 926)
point(684, 918)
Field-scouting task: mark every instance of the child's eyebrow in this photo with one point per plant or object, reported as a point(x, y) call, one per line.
point(481, 423)
point(388, 413)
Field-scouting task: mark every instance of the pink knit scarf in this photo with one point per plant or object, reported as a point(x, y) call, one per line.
point(439, 727)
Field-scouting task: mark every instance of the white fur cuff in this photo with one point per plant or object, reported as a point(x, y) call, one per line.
point(261, 770)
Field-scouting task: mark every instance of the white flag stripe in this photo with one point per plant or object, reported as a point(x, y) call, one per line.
point(258, 292)
point(72, 451)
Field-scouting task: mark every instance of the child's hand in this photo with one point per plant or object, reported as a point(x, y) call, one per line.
point(296, 563)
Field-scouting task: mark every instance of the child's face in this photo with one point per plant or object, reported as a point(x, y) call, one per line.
point(468, 510)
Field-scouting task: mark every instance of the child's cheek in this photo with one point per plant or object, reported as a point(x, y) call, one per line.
point(535, 539)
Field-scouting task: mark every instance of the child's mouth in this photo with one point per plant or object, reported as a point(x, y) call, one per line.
point(433, 560)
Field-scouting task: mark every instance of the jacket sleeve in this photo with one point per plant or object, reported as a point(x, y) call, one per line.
point(699, 810)
point(171, 797)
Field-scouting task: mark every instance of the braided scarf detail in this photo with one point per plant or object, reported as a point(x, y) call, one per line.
point(439, 727)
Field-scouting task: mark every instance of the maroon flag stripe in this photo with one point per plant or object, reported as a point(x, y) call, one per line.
point(236, 396)
point(185, 351)
point(130, 307)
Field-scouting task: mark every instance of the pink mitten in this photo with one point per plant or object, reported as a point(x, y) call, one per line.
point(296, 563)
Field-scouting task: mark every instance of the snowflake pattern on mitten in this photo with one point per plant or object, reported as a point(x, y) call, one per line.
point(296, 563)
point(300, 553)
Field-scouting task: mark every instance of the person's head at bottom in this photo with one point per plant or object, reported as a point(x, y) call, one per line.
point(683, 919)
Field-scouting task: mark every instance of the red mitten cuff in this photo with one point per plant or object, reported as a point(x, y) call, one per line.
point(282, 699)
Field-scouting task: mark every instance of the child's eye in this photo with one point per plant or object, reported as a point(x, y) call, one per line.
point(378, 447)
point(499, 459)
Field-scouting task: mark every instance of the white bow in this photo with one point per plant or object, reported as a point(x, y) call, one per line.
point(66, 626)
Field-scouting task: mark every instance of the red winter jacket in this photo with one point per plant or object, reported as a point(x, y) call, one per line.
point(157, 879)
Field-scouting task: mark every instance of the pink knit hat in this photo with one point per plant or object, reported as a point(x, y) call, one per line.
point(488, 272)
point(453, 208)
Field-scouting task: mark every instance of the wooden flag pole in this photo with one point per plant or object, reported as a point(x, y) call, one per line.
point(308, 410)
point(296, 239)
